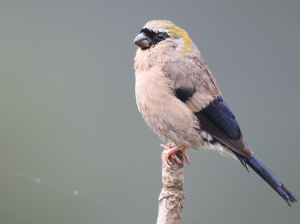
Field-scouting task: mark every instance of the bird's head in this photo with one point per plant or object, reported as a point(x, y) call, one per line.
point(165, 34)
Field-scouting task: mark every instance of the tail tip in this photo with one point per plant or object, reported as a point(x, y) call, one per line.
point(289, 196)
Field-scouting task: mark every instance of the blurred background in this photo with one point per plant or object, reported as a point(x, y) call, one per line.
point(73, 146)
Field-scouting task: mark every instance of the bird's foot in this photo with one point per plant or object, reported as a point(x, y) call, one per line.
point(170, 150)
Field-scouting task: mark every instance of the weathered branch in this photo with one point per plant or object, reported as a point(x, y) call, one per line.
point(171, 196)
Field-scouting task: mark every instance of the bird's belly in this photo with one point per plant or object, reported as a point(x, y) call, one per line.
point(153, 105)
point(167, 116)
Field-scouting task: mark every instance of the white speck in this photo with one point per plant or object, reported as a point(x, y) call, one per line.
point(75, 192)
point(206, 135)
point(38, 180)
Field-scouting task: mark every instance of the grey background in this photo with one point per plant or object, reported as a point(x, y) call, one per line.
point(73, 146)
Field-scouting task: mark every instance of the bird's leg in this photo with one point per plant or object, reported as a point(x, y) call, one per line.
point(170, 150)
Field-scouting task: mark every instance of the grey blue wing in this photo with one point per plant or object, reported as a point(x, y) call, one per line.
point(217, 119)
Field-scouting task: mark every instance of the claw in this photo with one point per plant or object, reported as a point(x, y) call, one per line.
point(174, 156)
point(186, 158)
point(170, 150)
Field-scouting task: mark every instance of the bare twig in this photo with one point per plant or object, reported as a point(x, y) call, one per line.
point(171, 196)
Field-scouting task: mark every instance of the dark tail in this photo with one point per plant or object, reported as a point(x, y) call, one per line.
point(269, 177)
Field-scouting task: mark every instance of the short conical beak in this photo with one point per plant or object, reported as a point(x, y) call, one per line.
point(142, 41)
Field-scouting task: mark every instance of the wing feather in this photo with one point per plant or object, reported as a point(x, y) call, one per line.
point(198, 89)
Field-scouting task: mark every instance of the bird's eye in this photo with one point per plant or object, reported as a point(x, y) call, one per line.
point(160, 36)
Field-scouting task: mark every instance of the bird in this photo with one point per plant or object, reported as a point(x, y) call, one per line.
point(181, 102)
